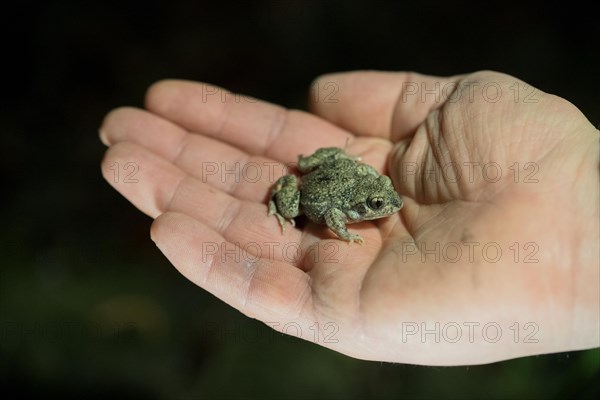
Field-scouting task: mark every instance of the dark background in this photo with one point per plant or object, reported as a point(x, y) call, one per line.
point(88, 305)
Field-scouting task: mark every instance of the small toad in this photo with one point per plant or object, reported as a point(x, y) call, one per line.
point(335, 189)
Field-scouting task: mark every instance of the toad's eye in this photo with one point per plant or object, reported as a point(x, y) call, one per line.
point(376, 203)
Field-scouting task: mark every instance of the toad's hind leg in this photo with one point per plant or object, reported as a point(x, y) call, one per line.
point(364, 169)
point(284, 202)
point(307, 164)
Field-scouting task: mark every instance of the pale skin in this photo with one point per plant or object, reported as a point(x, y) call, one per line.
point(407, 295)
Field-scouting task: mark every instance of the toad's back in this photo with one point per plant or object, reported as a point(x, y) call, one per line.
point(334, 184)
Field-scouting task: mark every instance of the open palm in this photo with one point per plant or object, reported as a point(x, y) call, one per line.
point(494, 255)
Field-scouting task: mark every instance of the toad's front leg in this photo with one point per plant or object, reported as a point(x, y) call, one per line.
point(336, 221)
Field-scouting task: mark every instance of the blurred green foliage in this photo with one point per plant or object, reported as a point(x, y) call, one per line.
point(89, 306)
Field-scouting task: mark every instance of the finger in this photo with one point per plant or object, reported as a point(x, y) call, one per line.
point(256, 127)
point(128, 168)
point(260, 288)
point(129, 124)
point(384, 104)
point(163, 187)
point(219, 164)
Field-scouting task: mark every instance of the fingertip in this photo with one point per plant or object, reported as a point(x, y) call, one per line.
point(105, 165)
point(103, 137)
point(115, 157)
point(106, 125)
point(112, 123)
point(323, 89)
point(163, 225)
point(161, 95)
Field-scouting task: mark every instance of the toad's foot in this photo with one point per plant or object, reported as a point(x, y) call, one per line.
point(282, 220)
point(353, 237)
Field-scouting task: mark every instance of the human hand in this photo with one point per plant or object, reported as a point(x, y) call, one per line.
point(498, 262)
